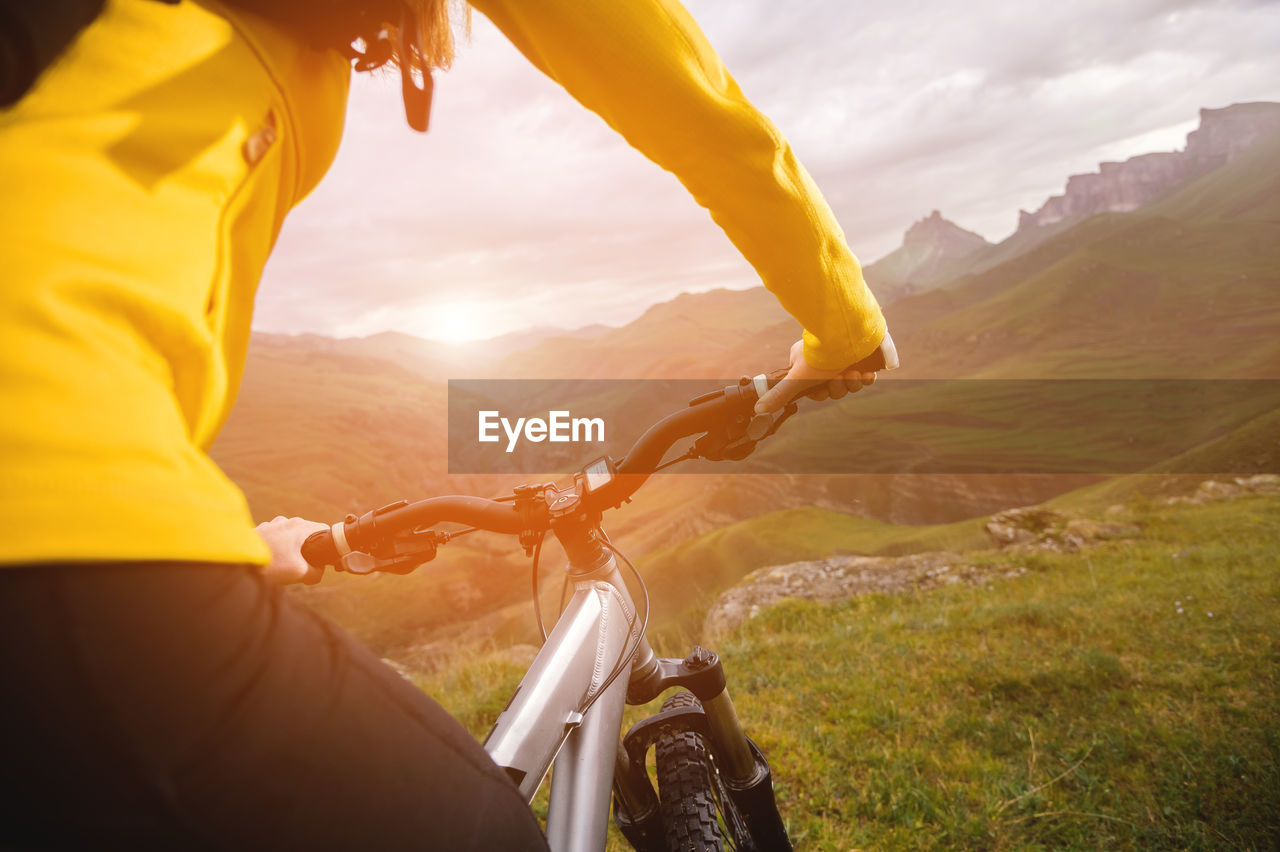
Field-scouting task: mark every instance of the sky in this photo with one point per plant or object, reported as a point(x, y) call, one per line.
point(520, 209)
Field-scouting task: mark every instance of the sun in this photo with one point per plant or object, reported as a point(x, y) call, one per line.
point(455, 322)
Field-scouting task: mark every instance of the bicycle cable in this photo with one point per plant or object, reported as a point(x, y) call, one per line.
point(634, 645)
point(689, 454)
point(537, 604)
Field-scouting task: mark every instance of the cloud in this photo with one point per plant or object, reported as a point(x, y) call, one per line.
point(520, 200)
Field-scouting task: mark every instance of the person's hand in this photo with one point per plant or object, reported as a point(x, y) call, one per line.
point(285, 537)
point(820, 384)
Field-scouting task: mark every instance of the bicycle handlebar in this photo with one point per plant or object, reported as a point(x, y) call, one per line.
point(730, 410)
point(327, 547)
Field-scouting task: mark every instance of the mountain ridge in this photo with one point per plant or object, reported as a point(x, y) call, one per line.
point(930, 250)
point(1120, 187)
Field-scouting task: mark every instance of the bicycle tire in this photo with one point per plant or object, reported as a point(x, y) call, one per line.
point(690, 792)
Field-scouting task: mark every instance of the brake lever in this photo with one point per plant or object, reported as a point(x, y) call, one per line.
point(738, 437)
point(403, 554)
point(777, 418)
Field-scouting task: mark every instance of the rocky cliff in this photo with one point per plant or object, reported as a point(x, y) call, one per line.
point(929, 253)
point(1120, 187)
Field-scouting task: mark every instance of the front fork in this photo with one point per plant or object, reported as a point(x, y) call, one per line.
point(742, 765)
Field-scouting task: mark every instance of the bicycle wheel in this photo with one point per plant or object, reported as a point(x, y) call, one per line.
point(696, 811)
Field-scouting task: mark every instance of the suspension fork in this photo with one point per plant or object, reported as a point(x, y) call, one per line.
point(743, 766)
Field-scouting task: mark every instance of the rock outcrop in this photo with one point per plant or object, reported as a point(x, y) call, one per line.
point(930, 251)
point(1223, 135)
point(1031, 529)
point(1036, 528)
point(840, 577)
point(1213, 489)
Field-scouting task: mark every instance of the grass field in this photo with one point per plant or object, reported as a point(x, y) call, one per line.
point(685, 580)
point(1125, 698)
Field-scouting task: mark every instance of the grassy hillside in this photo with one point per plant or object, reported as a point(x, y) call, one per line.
point(1248, 189)
point(687, 577)
point(1187, 288)
point(1126, 700)
point(687, 337)
point(320, 434)
point(1252, 448)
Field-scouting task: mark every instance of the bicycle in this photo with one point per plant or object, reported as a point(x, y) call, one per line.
point(568, 708)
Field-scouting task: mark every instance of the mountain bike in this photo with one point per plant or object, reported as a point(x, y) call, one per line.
point(714, 783)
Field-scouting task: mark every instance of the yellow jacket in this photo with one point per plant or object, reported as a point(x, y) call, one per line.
point(143, 183)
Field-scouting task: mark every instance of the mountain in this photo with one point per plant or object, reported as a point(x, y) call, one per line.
point(1186, 287)
point(929, 254)
point(318, 431)
point(433, 358)
point(1224, 134)
point(935, 250)
point(694, 335)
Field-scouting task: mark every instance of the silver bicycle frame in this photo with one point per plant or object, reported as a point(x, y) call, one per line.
point(544, 721)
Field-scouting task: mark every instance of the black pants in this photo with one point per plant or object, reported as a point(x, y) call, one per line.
point(195, 707)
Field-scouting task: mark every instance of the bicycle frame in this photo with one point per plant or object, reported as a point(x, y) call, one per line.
point(568, 711)
point(542, 722)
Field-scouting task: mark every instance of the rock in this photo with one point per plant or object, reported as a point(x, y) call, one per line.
point(930, 249)
point(1004, 535)
point(1223, 135)
point(1034, 518)
point(1034, 529)
point(1240, 486)
point(1211, 489)
point(727, 613)
point(1024, 526)
point(1029, 529)
point(1262, 483)
point(833, 579)
point(1087, 531)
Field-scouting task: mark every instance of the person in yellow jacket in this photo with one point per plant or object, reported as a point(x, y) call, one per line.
point(157, 692)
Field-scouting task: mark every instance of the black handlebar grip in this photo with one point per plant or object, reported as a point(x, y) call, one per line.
point(873, 363)
point(319, 549)
point(885, 357)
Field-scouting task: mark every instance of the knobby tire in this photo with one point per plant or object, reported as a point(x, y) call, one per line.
point(688, 797)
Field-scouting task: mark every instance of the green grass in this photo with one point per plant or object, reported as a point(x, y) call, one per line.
point(684, 580)
point(1072, 707)
point(1251, 448)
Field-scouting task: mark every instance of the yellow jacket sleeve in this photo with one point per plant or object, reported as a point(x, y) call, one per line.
point(646, 68)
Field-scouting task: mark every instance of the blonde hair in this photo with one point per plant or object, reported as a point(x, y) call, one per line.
point(435, 31)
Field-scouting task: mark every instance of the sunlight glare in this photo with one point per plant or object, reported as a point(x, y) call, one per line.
point(455, 322)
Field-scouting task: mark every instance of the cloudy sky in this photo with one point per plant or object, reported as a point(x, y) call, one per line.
point(521, 209)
